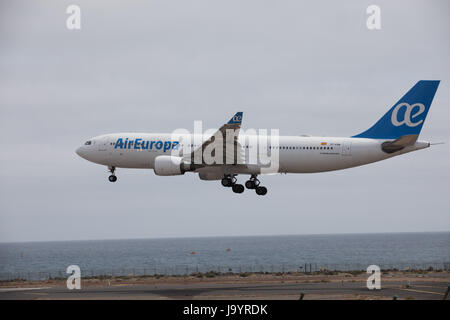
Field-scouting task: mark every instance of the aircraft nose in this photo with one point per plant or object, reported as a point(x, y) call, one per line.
point(81, 152)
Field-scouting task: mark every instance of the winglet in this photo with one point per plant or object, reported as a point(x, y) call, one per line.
point(236, 119)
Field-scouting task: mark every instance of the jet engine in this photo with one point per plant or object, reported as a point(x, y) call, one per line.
point(170, 166)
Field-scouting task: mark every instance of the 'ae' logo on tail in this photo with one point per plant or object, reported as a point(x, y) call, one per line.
point(407, 118)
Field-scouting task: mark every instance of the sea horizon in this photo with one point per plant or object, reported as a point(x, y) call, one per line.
point(226, 236)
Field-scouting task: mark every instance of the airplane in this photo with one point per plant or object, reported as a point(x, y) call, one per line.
point(228, 153)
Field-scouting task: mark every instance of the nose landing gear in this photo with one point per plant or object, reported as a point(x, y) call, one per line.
point(112, 177)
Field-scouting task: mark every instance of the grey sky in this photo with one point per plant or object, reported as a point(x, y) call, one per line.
point(154, 66)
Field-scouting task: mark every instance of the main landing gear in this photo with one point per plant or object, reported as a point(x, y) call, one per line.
point(230, 181)
point(112, 177)
point(253, 183)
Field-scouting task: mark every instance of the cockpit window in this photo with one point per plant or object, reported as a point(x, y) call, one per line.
point(88, 143)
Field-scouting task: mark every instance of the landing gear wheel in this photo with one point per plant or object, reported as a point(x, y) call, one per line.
point(261, 190)
point(226, 182)
point(238, 188)
point(250, 184)
point(112, 177)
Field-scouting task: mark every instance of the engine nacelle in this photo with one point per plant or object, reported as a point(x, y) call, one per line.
point(169, 166)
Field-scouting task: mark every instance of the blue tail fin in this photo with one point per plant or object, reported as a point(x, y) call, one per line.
point(407, 116)
point(237, 118)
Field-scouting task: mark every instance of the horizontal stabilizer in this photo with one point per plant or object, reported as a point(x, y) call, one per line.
point(399, 144)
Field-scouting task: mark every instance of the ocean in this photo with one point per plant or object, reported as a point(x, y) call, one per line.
point(40, 260)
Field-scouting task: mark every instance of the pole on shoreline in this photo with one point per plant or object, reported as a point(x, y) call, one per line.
point(446, 292)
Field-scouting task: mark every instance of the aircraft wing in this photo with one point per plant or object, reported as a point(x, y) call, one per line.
point(223, 143)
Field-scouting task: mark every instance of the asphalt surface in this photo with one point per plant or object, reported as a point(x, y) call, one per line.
point(333, 290)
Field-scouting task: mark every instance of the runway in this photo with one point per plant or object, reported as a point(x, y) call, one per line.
point(419, 289)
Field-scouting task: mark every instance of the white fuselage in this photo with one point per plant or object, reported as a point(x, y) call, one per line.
point(296, 154)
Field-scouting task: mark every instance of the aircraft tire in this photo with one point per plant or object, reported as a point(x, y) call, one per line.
point(226, 182)
point(238, 188)
point(250, 184)
point(261, 190)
